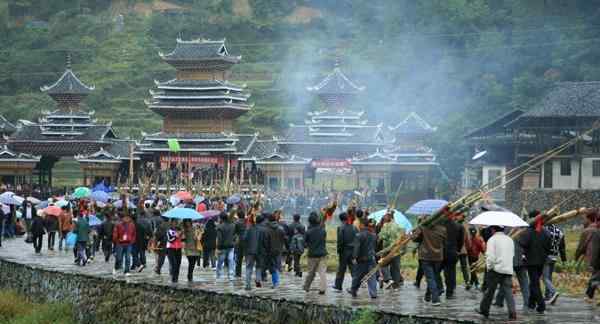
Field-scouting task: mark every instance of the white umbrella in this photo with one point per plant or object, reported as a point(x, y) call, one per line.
point(7, 198)
point(18, 200)
point(498, 218)
point(33, 200)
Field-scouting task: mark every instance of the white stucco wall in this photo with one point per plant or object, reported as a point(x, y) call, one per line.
point(588, 181)
point(565, 182)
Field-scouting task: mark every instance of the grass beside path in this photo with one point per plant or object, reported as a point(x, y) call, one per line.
point(17, 309)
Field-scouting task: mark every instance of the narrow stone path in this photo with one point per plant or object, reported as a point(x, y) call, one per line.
point(407, 300)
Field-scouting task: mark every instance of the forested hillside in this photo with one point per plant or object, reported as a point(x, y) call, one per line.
point(458, 63)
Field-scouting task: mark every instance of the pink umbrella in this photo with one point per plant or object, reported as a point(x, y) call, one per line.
point(53, 211)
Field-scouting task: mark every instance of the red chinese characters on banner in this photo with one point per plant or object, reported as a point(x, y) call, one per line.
point(331, 164)
point(194, 161)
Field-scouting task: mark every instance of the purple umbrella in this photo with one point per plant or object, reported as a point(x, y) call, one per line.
point(426, 207)
point(210, 214)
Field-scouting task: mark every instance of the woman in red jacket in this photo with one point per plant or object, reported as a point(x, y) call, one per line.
point(124, 238)
point(174, 246)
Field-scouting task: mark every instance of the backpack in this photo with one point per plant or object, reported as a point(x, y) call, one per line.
point(298, 244)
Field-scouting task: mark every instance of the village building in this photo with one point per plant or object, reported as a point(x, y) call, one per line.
point(66, 131)
point(568, 109)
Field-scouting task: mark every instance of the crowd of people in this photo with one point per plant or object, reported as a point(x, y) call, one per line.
point(239, 240)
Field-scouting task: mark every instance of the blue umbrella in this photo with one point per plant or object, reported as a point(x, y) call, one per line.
point(235, 199)
point(94, 220)
point(61, 203)
point(399, 218)
point(183, 213)
point(426, 207)
point(44, 204)
point(100, 196)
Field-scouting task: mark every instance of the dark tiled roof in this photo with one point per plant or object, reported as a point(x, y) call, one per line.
point(120, 148)
point(7, 154)
point(162, 136)
point(261, 148)
point(196, 93)
point(245, 142)
point(564, 102)
point(496, 127)
point(33, 132)
point(336, 82)
point(6, 127)
point(68, 83)
point(199, 50)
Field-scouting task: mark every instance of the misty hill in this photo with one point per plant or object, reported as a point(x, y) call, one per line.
point(457, 63)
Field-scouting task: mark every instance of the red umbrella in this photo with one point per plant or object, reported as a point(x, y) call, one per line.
point(184, 196)
point(53, 210)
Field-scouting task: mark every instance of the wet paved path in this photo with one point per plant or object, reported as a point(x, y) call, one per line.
point(406, 300)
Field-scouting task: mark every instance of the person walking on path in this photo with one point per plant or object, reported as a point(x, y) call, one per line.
point(594, 282)
point(240, 246)
point(251, 241)
point(391, 232)
point(520, 271)
point(475, 248)
point(455, 238)
point(209, 244)
point(51, 225)
point(536, 245)
point(499, 264)
point(297, 249)
point(591, 224)
point(106, 236)
point(363, 259)
point(37, 231)
point(174, 246)
point(345, 250)
point(276, 247)
point(263, 248)
point(65, 225)
point(558, 250)
point(191, 238)
point(82, 230)
point(124, 236)
point(225, 237)
point(142, 237)
point(463, 256)
point(316, 242)
point(160, 237)
point(29, 212)
point(432, 241)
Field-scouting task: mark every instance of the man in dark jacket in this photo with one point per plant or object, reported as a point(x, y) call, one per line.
point(295, 225)
point(276, 248)
point(106, 231)
point(251, 240)
point(124, 237)
point(240, 245)
point(345, 249)
point(160, 237)
point(37, 232)
point(364, 259)
point(209, 244)
point(536, 246)
point(316, 242)
point(225, 236)
point(82, 230)
point(262, 247)
point(140, 246)
point(455, 238)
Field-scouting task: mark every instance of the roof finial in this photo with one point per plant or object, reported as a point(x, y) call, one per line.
point(68, 60)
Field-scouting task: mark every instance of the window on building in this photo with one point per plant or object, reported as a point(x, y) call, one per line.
point(565, 167)
point(596, 168)
point(494, 177)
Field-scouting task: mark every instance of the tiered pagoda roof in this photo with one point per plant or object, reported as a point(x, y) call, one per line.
point(199, 105)
point(68, 90)
point(200, 54)
point(413, 125)
point(6, 129)
point(336, 89)
point(219, 143)
point(61, 133)
point(199, 98)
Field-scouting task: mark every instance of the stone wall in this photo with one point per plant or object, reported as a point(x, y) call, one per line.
point(546, 198)
point(104, 300)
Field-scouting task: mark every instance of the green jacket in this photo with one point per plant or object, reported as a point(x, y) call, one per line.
point(82, 229)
